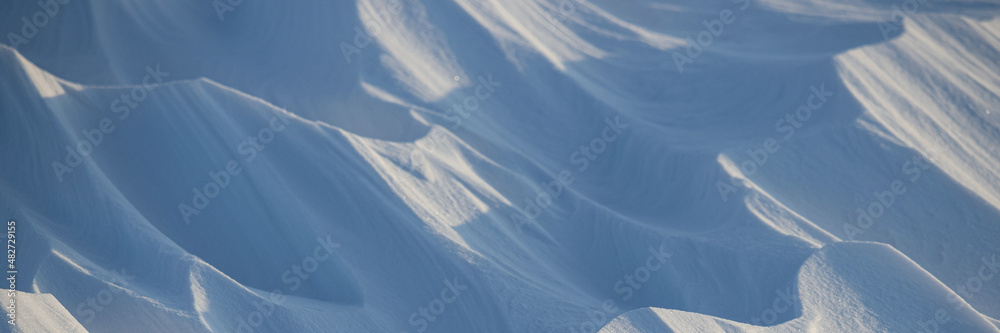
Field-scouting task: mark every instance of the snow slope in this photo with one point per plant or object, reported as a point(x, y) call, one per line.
point(503, 166)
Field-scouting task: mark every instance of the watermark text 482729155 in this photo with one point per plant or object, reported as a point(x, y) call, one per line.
point(11, 304)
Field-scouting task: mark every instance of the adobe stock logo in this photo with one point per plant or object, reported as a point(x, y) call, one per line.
point(626, 287)
point(300, 272)
point(868, 214)
point(293, 278)
point(567, 8)
point(470, 104)
point(759, 155)
point(705, 38)
point(910, 7)
point(372, 27)
point(121, 106)
point(988, 270)
point(88, 310)
point(451, 291)
point(786, 300)
point(583, 156)
point(221, 8)
point(219, 180)
point(456, 115)
point(38, 20)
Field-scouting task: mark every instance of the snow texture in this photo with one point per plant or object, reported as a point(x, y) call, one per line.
point(502, 165)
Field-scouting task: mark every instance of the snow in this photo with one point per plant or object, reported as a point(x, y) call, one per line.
point(503, 166)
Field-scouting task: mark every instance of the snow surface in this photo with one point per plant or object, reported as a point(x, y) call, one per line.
point(381, 190)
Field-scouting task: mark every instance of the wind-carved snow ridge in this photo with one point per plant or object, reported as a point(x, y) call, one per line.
point(502, 166)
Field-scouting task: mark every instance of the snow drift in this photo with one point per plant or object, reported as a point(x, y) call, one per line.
point(502, 166)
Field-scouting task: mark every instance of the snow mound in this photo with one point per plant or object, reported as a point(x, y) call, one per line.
point(868, 279)
point(503, 166)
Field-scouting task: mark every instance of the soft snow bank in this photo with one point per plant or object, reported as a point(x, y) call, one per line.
point(495, 166)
